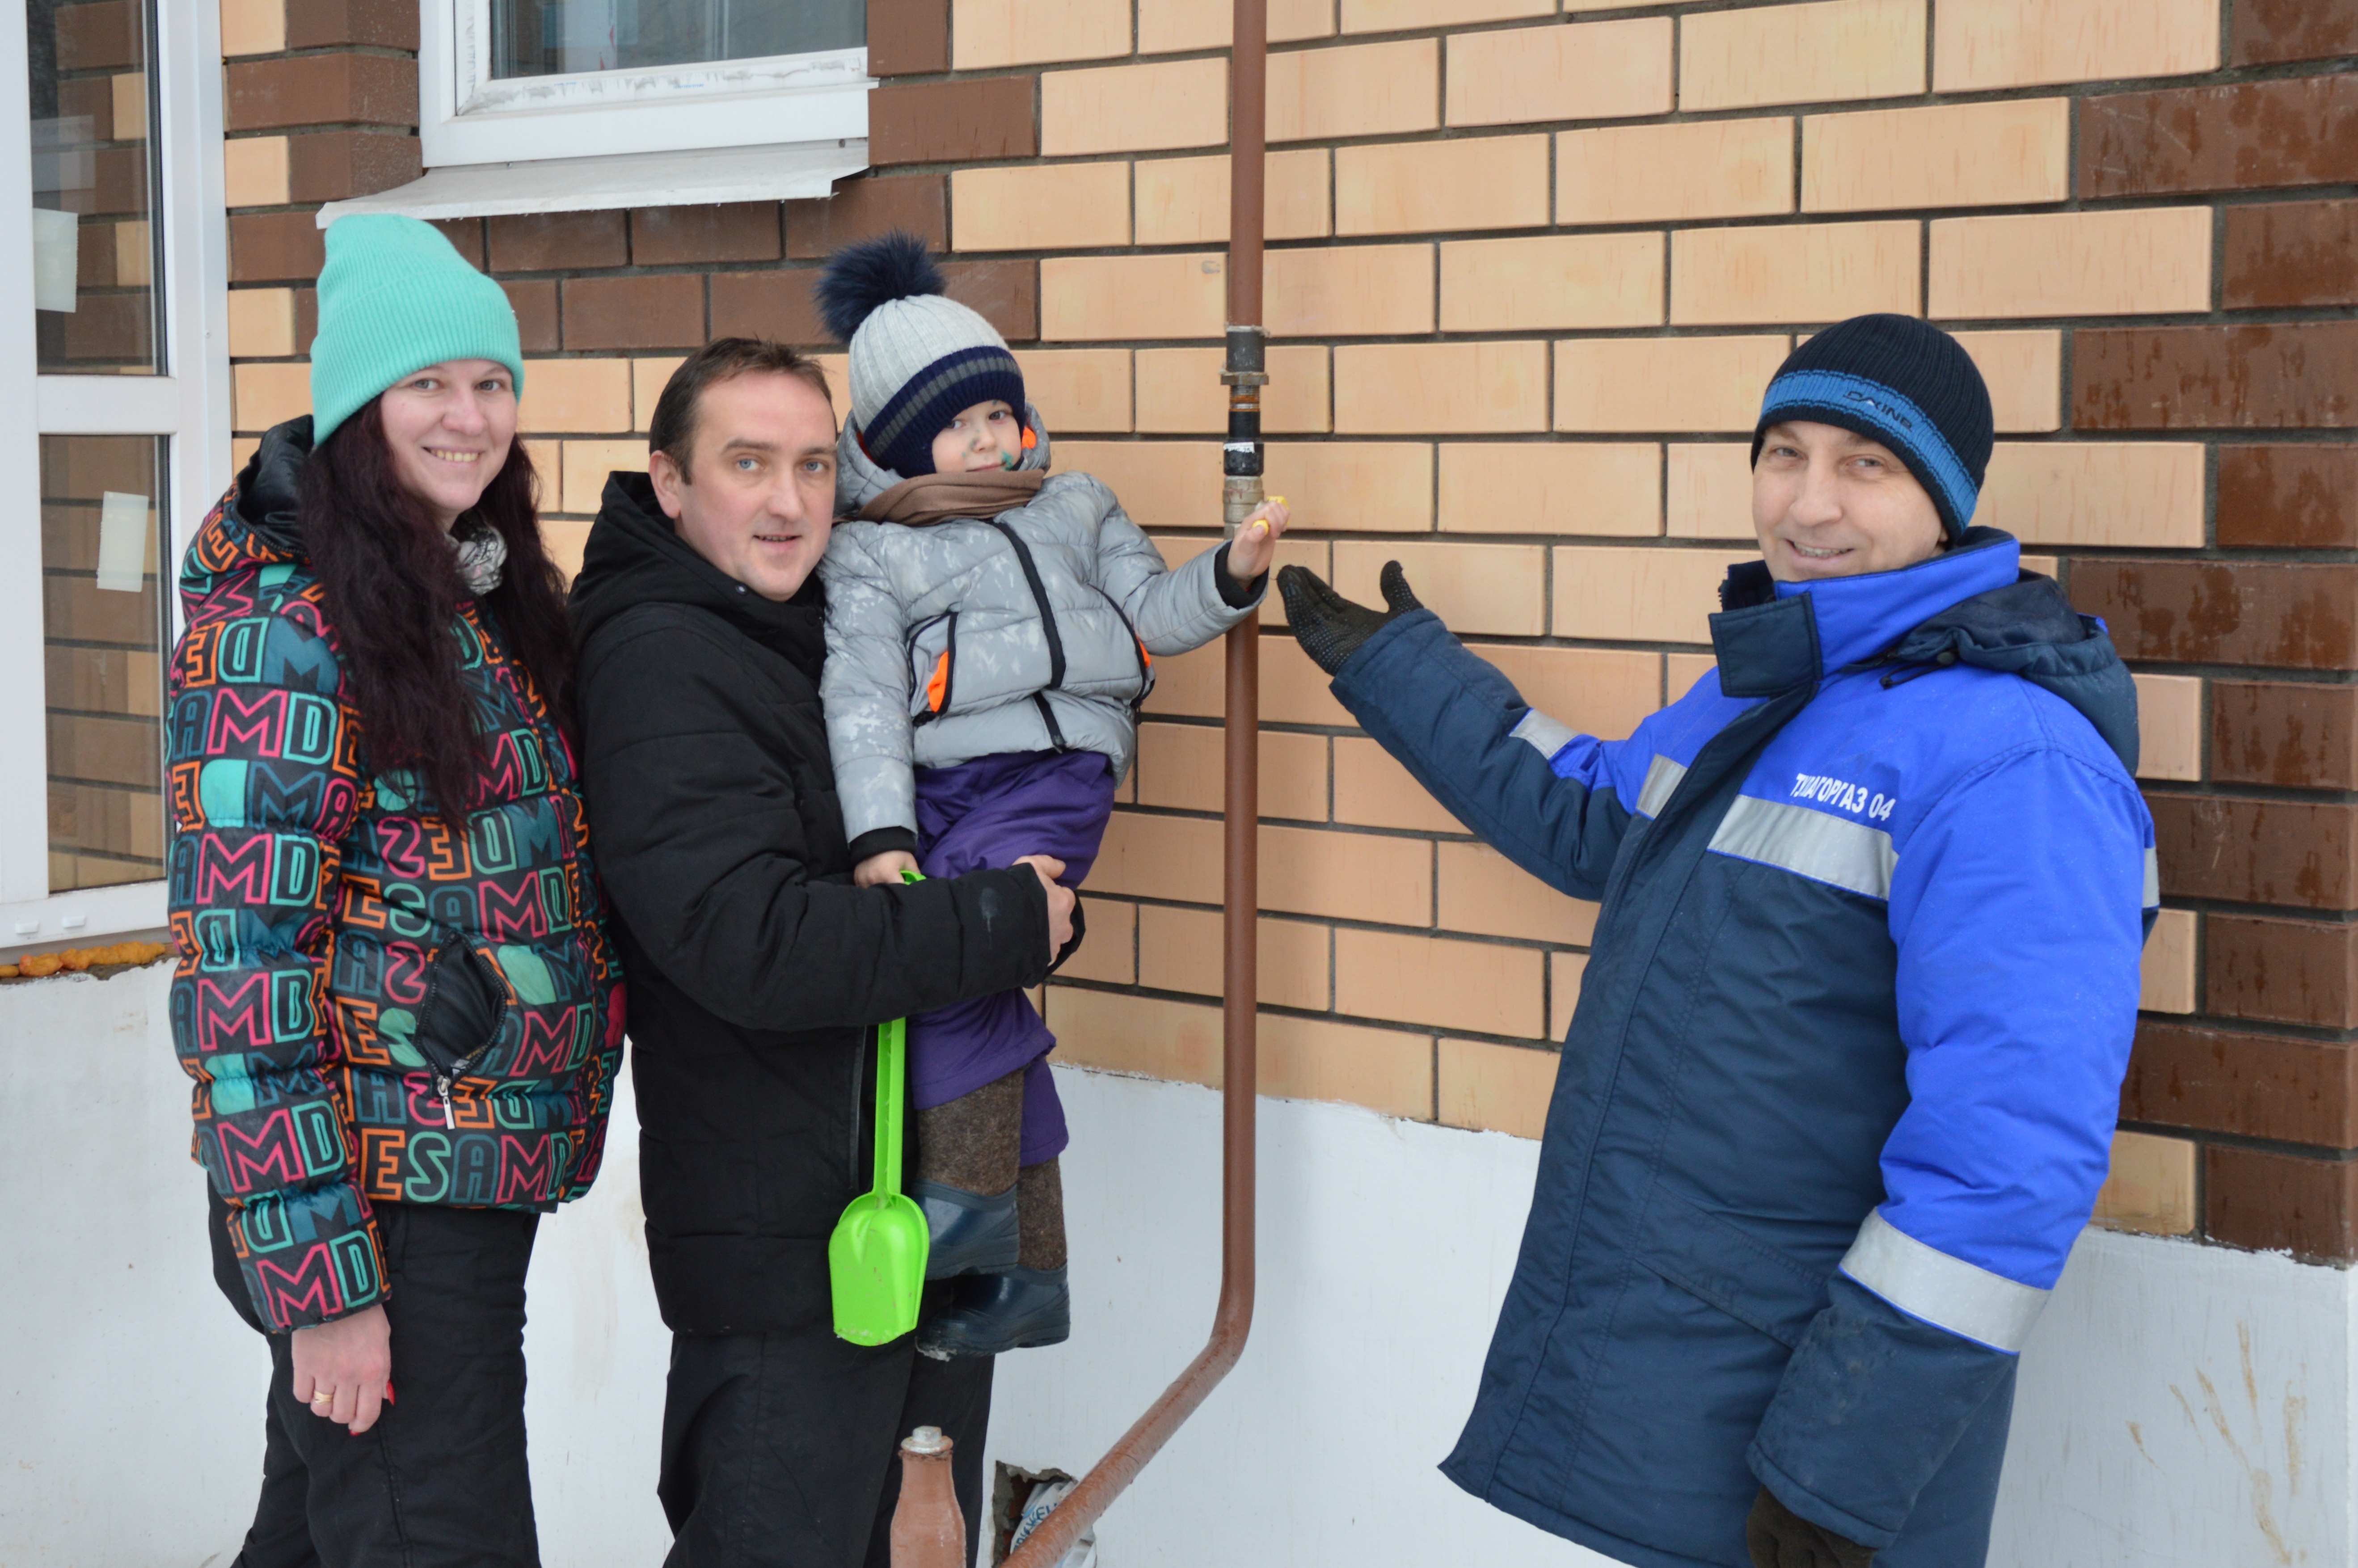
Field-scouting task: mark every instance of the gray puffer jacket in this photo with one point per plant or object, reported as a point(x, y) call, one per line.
point(1027, 632)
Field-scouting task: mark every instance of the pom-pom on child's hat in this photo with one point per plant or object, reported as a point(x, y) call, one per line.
point(917, 358)
point(395, 296)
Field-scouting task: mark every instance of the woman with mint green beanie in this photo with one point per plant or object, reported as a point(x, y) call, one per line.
point(395, 990)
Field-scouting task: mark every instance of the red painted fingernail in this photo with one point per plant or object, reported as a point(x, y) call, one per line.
point(388, 1392)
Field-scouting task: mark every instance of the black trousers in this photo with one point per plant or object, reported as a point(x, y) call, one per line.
point(439, 1481)
point(782, 1450)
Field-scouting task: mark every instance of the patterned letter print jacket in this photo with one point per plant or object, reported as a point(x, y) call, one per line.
point(376, 1008)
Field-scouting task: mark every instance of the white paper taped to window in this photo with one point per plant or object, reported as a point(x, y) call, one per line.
point(57, 258)
point(122, 542)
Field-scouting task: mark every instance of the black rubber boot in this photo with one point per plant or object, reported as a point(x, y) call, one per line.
point(990, 1315)
point(973, 1233)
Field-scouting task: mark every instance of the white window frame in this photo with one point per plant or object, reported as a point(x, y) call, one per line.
point(470, 118)
point(190, 407)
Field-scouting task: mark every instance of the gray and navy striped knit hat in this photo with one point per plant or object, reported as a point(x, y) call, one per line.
point(1901, 381)
point(917, 357)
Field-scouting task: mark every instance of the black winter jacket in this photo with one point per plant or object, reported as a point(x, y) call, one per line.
point(755, 965)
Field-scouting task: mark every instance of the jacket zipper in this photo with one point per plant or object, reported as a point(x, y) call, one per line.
point(1048, 628)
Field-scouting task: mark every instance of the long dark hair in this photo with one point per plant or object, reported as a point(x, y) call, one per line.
point(393, 588)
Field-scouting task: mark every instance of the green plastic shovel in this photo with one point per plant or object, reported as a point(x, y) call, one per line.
point(876, 1258)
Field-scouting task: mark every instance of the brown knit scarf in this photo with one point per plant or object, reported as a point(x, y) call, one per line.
point(938, 497)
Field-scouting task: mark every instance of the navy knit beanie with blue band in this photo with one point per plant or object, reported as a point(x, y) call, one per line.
point(1901, 381)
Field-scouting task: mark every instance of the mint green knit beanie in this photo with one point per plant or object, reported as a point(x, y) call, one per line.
point(395, 297)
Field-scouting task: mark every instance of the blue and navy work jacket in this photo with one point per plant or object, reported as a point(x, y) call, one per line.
point(1841, 1085)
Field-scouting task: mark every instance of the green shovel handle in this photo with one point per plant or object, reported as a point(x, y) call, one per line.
point(891, 1073)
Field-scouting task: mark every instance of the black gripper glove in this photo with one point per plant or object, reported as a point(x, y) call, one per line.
point(1779, 1537)
point(1329, 627)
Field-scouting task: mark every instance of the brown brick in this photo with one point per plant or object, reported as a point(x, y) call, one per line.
point(2287, 497)
point(2285, 971)
point(323, 24)
point(466, 236)
point(92, 96)
point(2241, 612)
point(862, 209)
point(2256, 1086)
point(2298, 853)
point(557, 241)
point(265, 246)
point(2298, 131)
point(1004, 293)
point(727, 232)
point(2291, 253)
point(666, 311)
point(108, 327)
point(96, 36)
point(952, 121)
point(2301, 376)
point(2282, 1203)
point(773, 303)
point(328, 165)
point(2268, 31)
point(2300, 736)
point(307, 320)
point(121, 187)
point(534, 303)
point(908, 38)
point(322, 89)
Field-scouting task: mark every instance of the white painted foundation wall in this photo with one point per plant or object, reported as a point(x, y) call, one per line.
point(2179, 1405)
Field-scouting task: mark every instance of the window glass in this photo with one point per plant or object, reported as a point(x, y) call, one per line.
point(94, 267)
point(553, 37)
point(102, 655)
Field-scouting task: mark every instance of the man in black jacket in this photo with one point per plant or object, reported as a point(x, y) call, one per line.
point(755, 968)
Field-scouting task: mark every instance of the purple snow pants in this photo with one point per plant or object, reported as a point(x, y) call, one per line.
point(985, 814)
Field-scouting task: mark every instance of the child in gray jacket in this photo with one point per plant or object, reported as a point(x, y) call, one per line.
point(991, 636)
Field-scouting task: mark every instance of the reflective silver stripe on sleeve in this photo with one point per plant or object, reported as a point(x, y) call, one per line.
point(2152, 880)
point(1947, 1292)
point(1824, 848)
point(1663, 776)
point(1542, 735)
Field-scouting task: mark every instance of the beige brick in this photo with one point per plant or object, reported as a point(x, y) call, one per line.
point(1344, 876)
point(1353, 90)
point(1348, 291)
point(1292, 689)
point(1406, 389)
point(1564, 972)
point(1181, 950)
point(1385, 1070)
point(1826, 52)
point(2166, 978)
point(135, 254)
point(1556, 282)
point(2126, 262)
point(1176, 295)
point(1485, 988)
point(1371, 790)
point(1645, 174)
point(1310, 553)
point(1040, 207)
point(241, 448)
point(1484, 893)
point(1414, 15)
point(261, 323)
point(992, 33)
point(548, 471)
point(1497, 589)
point(1597, 691)
point(2044, 566)
point(586, 464)
point(2169, 728)
point(1639, 594)
point(1110, 954)
point(1173, 26)
point(1134, 108)
point(127, 95)
point(2151, 1188)
point(1179, 391)
point(252, 27)
point(1709, 490)
point(565, 538)
point(2022, 43)
point(255, 171)
point(1487, 1088)
point(1180, 767)
point(1682, 670)
point(563, 396)
point(2025, 373)
point(1595, 71)
point(2136, 494)
point(1793, 272)
point(836, 368)
point(1669, 385)
point(268, 394)
point(650, 376)
point(1078, 389)
point(1147, 1036)
point(1408, 188)
point(1160, 857)
point(1184, 200)
point(1364, 487)
point(1162, 484)
point(1552, 486)
point(1952, 154)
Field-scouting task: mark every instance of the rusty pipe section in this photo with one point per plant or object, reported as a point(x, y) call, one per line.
point(1245, 373)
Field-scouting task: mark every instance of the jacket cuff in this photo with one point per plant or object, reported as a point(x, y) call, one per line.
point(333, 1269)
point(882, 841)
point(1234, 595)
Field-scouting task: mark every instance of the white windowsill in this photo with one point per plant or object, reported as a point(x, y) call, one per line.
point(796, 171)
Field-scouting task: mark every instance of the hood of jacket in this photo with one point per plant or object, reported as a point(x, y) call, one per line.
point(634, 556)
point(860, 479)
point(256, 523)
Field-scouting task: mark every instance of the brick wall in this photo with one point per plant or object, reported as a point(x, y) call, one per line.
point(1530, 269)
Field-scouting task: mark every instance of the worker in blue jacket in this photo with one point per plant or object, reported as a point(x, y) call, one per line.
point(1841, 1086)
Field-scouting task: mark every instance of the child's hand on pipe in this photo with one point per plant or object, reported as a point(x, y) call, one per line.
point(1255, 545)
